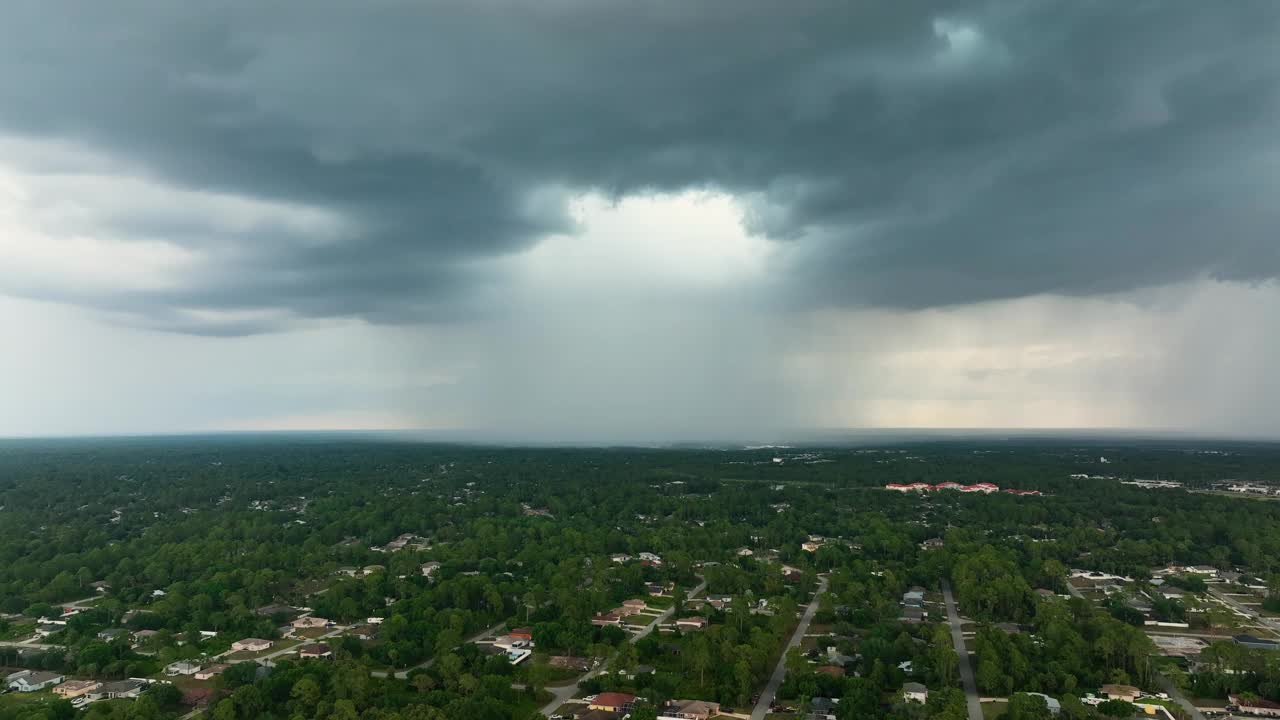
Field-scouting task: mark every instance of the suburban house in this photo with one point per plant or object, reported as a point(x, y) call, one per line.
point(1128, 693)
point(211, 671)
point(634, 605)
point(913, 598)
point(364, 632)
point(117, 689)
point(399, 543)
point(650, 558)
point(524, 633)
point(1255, 706)
point(913, 615)
point(612, 702)
point(111, 634)
point(745, 552)
point(429, 569)
point(72, 689)
point(607, 618)
point(1255, 643)
point(620, 558)
point(141, 636)
point(821, 708)
point(181, 668)
point(32, 680)
point(837, 658)
point(315, 651)
point(719, 601)
point(655, 590)
point(511, 642)
point(810, 546)
point(1054, 706)
point(688, 710)
point(309, 622)
point(691, 623)
point(250, 645)
point(915, 692)
point(101, 586)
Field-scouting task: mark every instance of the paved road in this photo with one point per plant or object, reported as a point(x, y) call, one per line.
point(562, 695)
point(404, 674)
point(30, 644)
point(971, 696)
point(1250, 612)
point(1167, 685)
point(293, 649)
point(780, 672)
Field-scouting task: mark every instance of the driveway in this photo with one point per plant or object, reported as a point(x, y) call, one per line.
point(780, 672)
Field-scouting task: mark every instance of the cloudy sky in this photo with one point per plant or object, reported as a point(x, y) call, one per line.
point(604, 219)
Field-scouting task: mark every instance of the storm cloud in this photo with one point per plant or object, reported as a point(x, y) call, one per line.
point(336, 160)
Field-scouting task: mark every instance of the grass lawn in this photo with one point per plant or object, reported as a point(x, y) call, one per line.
point(990, 711)
point(662, 603)
point(15, 699)
point(568, 709)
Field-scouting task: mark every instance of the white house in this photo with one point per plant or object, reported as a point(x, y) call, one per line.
point(250, 645)
point(32, 680)
point(915, 692)
point(1054, 706)
point(691, 623)
point(181, 667)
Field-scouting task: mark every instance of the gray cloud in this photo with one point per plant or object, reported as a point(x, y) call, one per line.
point(911, 154)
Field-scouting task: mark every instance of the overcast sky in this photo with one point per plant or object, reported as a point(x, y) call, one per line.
point(618, 220)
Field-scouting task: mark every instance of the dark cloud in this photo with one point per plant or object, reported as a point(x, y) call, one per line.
point(912, 154)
